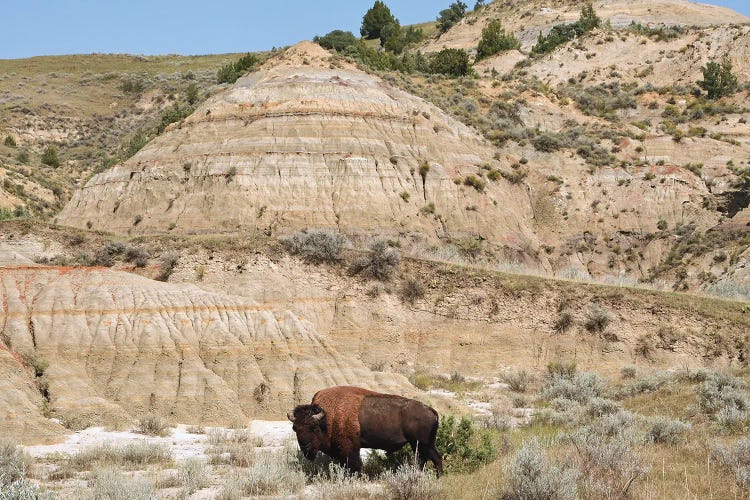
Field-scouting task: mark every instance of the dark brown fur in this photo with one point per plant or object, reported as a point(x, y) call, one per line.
point(358, 418)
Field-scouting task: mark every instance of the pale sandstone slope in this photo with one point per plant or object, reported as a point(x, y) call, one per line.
point(301, 143)
point(117, 346)
point(528, 18)
point(677, 61)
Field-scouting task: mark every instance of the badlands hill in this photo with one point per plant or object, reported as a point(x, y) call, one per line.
point(92, 346)
point(308, 141)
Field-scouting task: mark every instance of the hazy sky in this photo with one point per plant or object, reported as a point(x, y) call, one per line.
point(37, 27)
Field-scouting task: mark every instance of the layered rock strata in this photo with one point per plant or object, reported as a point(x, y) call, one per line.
point(94, 346)
point(303, 143)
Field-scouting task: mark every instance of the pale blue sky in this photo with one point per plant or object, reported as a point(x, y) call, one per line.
point(39, 27)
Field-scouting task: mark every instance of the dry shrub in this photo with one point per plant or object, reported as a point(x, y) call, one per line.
point(153, 425)
point(408, 482)
point(644, 346)
point(564, 369)
point(597, 319)
point(608, 460)
point(337, 483)
point(317, 245)
point(724, 398)
point(12, 464)
point(379, 264)
point(193, 475)
point(580, 387)
point(735, 457)
point(166, 265)
point(517, 380)
point(272, 473)
point(563, 322)
point(110, 483)
point(667, 431)
point(530, 475)
point(411, 290)
point(232, 447)
point(138, 453)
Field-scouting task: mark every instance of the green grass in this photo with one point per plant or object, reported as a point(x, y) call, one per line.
point(118, 63)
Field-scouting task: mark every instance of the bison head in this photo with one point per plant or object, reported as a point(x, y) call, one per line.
point(309, 423)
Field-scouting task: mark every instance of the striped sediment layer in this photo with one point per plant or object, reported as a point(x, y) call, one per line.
point(95, 346)
point(308, 141)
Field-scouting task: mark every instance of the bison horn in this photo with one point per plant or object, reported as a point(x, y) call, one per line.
point(319, 416)
point(290, 416)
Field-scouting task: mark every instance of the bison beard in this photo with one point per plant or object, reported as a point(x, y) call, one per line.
point(341, 420)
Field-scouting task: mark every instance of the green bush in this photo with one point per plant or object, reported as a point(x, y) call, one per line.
point(547, 142)
point(132, 86)
point(464, 446)
point(375, 19)
point(392, 38)
point(660, 34)
point(50, 158)
point(718, 79)
point(450, 16)
point(337, 40)
point(229, 73)
point(395, 39)
point(451, 62)
point(22, 157)
point(174, 114)
point(475, 182)
point(191, 93)
point(602, 100)
point(494, 40)
point(563, 33)
point(135, 144)
point(384, 60)
point(9, 141)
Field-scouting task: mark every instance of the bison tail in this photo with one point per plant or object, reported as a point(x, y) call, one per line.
point(433, 431)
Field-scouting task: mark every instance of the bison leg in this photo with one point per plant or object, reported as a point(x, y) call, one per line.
point(429, 454)
point(434, 456)
point(354, 461)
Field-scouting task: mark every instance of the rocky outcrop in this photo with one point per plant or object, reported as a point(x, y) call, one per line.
point(94, 346)
point(308, 141)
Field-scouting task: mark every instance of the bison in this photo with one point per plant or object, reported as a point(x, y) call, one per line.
point(341, 420)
